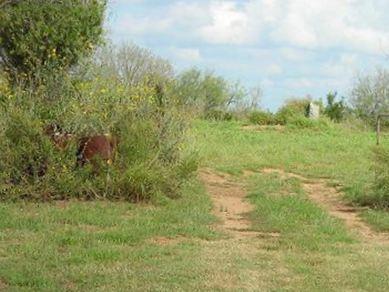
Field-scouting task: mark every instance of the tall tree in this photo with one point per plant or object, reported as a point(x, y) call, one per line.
point(38, 37)
point(370, 95)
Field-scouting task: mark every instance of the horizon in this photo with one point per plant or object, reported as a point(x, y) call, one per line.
point(289, 48)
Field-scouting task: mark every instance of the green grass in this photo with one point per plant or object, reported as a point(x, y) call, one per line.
point(378, 219)
point(282, 207)
point(343, 156)
point(170, 246)
point(315, 248)
point(85, 245)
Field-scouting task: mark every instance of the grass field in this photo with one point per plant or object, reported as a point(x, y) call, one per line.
point(341, 155)
point(117, 246)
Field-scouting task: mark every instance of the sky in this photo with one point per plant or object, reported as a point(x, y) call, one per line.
point(291, 48)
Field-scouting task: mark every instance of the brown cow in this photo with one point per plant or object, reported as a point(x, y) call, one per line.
point(99, 146)
point(89, 148)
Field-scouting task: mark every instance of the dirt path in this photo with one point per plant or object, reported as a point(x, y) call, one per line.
point(234, 263)
point(330, 199)
point(251, 260)
point(230, 206)
point(229, 203)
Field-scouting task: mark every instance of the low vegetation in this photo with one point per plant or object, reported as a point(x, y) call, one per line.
point(330, 151)
point(133, 216)
point(124, 93)
point(380, 195)
point(172, 245)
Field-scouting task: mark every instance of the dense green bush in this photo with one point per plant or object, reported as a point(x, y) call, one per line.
point(40, 42)
point(294, 113)
point(291, 110)
point(335, 110)
point(299, 122)
point(219, 115)
point(261, 118)
point(38, 37)
point(284, 115)
point(152, 159)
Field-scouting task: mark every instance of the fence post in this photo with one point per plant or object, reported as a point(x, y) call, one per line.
point(378, 129)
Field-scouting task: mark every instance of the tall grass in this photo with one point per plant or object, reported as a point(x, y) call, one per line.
point(145, 118)
point(381, 183)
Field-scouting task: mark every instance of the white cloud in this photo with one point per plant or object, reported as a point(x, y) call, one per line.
point(267, 83)
point(295, 55)
point(187, 54)
point(273, 69)
point(293, 46)
point(229, 25)
point(346, 24)
point(298, 83)
point(342, 67)
point(142, 26)
point(188, 17)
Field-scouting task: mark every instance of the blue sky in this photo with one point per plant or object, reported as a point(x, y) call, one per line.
point(290, 48)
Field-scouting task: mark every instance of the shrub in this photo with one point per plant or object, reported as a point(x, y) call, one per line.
point(380, 197)
point(218, 115)
point(292, 109)
point(322, 124)
point(261, 118)
point(335, 110)
point(42, 36)
point(284, 115)
point(150, 161)
point(302, 122)
point(298, 106)
point(376, 194)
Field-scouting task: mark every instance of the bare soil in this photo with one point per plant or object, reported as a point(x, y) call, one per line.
point(227, 258)
point(263, 128)
point(230, 205)
point(3, 285)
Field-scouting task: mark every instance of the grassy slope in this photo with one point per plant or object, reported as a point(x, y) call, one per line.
point(341, 155)
point(314, 251)
point(116, 246)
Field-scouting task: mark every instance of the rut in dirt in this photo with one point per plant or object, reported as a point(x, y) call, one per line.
point(231, 207)
point(230, 204)
point(330, 199)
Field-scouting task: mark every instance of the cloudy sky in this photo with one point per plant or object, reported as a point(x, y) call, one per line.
point(289, 47)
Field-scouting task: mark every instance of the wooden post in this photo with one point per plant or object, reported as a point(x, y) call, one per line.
point(379, 118)
point(378, 129)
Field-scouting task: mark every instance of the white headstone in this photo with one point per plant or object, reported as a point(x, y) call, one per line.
point(314, 111)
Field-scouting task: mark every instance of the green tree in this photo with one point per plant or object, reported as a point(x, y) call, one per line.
point(370, 95)
point(335, 110)
point(132, 64)
point(39, 37)
point(203, 91)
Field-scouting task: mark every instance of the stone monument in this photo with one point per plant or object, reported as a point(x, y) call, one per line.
point(314, 111)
